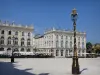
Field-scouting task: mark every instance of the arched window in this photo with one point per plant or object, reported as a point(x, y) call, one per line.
point(8, 49)
point(28, 42)
point(2, 32)
point(9, 40)
point(28, 39)
point(28, 50)
point(22, 42)
point(66, 44)
point(22, 49)
point(22, 39)
point(1, 49)
point(16, 50)
point(16, 41)
point(2, 40)
point(2, 37)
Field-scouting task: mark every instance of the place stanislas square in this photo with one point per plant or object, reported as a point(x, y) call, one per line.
point(48, 66)
point(52, 66)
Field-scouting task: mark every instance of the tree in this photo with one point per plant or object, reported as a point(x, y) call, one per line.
point(88, 47)
point(97, 48)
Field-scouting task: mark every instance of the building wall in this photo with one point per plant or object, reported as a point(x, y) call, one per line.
point(60, 43)
point(6, 27)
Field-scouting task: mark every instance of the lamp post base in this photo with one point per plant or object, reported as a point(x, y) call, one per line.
point(75, 66)
point(12, 59)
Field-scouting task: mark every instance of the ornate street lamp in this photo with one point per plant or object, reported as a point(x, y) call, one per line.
point(12, 56)
point(75, 64)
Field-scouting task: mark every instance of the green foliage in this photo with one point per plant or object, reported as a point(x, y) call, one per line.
point(97, 48)
point(89, 47)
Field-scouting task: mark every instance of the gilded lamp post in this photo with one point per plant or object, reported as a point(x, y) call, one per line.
point(75, 64)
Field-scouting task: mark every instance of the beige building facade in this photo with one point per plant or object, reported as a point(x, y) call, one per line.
point(15, 37)
point(60, 43)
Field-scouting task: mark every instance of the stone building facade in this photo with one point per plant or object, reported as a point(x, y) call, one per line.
point(16, 38)
point(60, 43)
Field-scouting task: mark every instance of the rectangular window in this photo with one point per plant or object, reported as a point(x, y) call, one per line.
point(16, 42)
point(82, 44)
point(57, 37)
point(22, 43)
point(66, 44)
point(78, 44)
point(2, 41)
point(70, 37)
point(29, 34)
point(62, 37)
point(22, 33)
point(78, 38)
point(82, 38)
point(61, 52)
point(70, 44)
point(16, 33)
point(66, 38)
point(9, 42)
point(57, 43)
point(57, 52)
point(2, 32)
point(28, 43)
point(9, 33)
point(61, 43)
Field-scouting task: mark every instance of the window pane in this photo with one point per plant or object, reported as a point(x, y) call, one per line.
point(28, 50)
point(2, 32)
point(22, 49)
point(16, 33)
point(22, 33)
point(9, 33)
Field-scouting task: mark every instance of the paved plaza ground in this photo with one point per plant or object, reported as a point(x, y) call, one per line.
point(48, 66)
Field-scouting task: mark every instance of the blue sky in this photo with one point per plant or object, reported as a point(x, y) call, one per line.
point(45, 14)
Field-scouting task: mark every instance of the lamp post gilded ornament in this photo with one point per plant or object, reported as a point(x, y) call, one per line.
point(75, 64)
